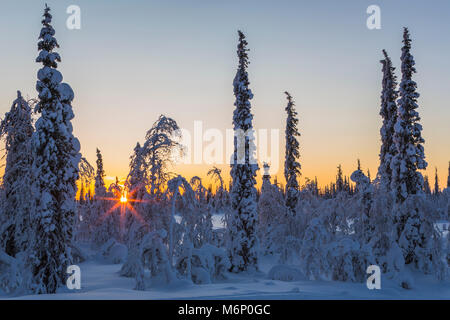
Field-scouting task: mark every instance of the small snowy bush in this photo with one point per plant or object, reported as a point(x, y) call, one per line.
point(348, 260)
point(405, 279)
point(114, 252)
point(206, 264)
point(153, 256)
point(313, 252)
point(77, 254)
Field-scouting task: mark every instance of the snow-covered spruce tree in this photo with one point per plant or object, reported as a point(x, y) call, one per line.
point(364, 199)
point(100, 189)
point(263, 215)
point(136, 181)
point(436, 182)
point(388, 112)
point(448, 177)
point(426, 185)
point(136, 184)
point(271, 211)
point(55, 169)
point(382, 239)
point(104, 225)
point(313, 250)
point(81, 197)
point(100, 233)
point(291, 165)
point(348, 260)
point(416, 235)
point(372, 224)
point(16, 129)
point(243, 240)
point(339, 180)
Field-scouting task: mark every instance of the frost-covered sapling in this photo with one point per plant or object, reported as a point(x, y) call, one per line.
point(15, 209)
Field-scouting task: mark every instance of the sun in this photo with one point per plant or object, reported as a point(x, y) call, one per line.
point(123, 206)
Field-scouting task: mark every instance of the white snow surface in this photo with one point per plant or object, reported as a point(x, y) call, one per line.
point(102, 281)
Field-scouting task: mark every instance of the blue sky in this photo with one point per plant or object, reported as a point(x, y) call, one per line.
point(133, 60)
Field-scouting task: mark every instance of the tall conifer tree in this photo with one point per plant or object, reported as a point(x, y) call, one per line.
point(100, 189)
point(291, 165)
point(410, 156)
point(388, 112)
point(436, 182)
point(448, 177)
point(55, 169)
point(243, 240)
point(414, 225)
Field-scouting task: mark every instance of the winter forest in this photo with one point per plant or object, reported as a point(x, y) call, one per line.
point(163, 235)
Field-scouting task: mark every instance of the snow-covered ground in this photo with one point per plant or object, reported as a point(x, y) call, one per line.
point(102, 281)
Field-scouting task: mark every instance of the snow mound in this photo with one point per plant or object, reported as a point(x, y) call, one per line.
point(286, 273)
point(114, 252)
point(10, 278)
point(78, 254)
point(405, 279)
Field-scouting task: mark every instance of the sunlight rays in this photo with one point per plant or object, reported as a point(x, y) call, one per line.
point(122, 206)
